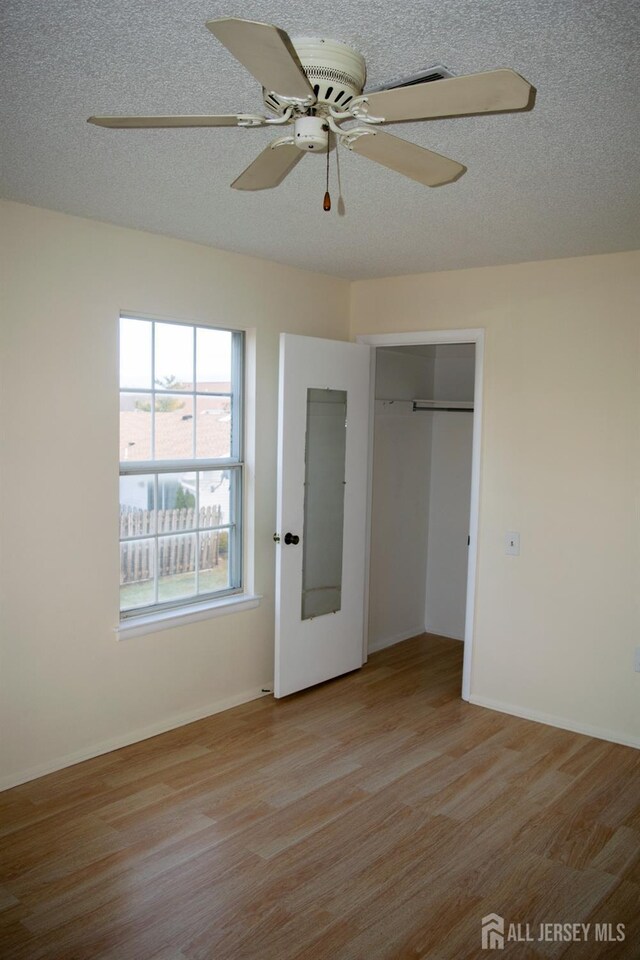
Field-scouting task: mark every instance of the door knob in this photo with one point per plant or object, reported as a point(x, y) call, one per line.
point(291, 538)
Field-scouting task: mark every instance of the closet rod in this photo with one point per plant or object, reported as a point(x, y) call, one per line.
point(425, 405)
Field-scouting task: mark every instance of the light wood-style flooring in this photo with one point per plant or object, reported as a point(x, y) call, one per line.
point(376, 817)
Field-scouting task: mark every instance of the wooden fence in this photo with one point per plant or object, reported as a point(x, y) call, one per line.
point(174, 554)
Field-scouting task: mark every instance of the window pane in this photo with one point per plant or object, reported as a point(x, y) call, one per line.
point(214, 561)
point(174, 427)
point(136, 574)
point(135, 353)
point(174, 357)
point(176, 567)
point(214, 498)
point(213, 360)
point(176, 501)
point(180, 532)
point(213, 427)
point(135, 426)
point(137, 502)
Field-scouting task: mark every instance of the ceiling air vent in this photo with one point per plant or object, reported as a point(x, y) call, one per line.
point(437, 72)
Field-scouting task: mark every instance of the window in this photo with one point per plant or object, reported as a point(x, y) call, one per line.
point(181, 464)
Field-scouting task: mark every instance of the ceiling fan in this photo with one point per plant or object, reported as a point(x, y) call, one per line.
point(313, 87)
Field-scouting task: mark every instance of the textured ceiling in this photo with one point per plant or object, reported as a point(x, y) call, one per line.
point(560, 181)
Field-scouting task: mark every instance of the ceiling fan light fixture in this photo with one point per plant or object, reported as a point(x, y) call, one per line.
point(311, 133)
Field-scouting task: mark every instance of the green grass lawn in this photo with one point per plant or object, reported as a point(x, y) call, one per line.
point(172, 588)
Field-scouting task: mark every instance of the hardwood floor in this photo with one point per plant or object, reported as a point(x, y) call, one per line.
point(376, 817)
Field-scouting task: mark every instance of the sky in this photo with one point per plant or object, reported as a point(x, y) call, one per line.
point(174, 353)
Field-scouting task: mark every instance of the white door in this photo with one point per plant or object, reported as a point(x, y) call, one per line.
point(323, 439)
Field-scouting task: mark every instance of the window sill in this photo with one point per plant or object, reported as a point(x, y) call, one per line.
point(154, 622)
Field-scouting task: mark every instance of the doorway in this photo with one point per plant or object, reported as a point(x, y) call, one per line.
point(424, 487)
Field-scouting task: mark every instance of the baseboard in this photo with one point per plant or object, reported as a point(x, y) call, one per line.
point(180, 720)
point(599, 733)
point(143, 733)
point(439, 633)
point(398, 638)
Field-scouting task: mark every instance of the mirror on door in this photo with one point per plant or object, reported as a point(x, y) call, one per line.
point(325, 450)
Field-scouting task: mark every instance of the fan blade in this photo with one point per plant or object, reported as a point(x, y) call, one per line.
point(406, 158)
point(266, 52)
point(491, 92)
point(228, 120)
point(269, 168)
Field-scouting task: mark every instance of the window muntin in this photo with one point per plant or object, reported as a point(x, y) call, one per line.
point(181, 467)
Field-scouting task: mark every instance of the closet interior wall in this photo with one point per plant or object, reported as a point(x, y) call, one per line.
point(421, 493)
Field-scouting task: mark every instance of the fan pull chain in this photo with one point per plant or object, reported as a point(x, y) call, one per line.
point(341, 206)
point(326, 203)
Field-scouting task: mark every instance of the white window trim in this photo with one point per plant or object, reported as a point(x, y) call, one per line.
point(167, 619)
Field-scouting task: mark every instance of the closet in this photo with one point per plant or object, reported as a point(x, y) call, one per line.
point(421, 490)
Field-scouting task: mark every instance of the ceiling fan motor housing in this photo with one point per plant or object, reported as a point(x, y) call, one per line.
point(335, 71)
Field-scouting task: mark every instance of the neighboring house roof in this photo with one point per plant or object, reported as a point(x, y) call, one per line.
point(174, 430)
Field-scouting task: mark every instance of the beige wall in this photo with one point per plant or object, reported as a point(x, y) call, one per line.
point(556, 628)
point(68, 687)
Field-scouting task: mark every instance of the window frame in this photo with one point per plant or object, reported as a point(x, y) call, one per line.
point(234, 464)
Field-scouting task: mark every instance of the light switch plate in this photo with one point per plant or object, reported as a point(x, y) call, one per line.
point(512, 543)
